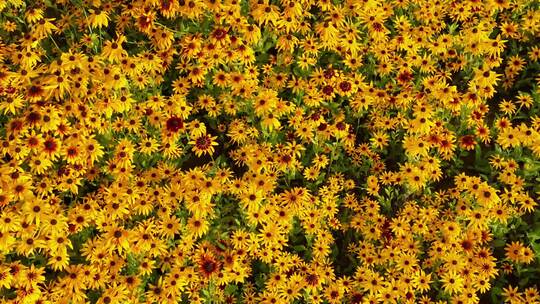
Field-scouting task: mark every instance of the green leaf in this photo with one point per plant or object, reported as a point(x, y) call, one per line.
point(299, 248)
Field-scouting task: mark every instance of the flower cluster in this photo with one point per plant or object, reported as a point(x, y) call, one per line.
point(269, 151)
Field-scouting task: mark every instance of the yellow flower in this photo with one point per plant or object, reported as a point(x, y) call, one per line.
point(197, 227)
point(422, 280)
point(98, 19)
point(113, 50)
point(44, 27)
point(379, 140)
point(416, 146)
point(33, 15)
point(512, 295)
point(203, 144)
point(508, 138)
point(452, 282)
point(311, 173)
point(196, 128)
point(9, 26)
point(118, 239)
point(516, 252)
point(148, 146)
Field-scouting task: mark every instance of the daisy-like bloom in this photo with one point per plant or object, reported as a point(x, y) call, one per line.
point(196, 128)
point(467, 142)
point(98, 19)
point(12, 104)
point(512, 295)
point(113, 50)
point(508, 138)
point(9, 26)
point(203, 144)
point(33, 15)
point(59, 261)
point(516, 252)
point(148, 146)
point(197, 227)
point(349, 129)
point(531, 295)
point(422, 280)
point(311, 173)
point(208, 264)
point(118, 239)
point(174, 124)
point(452, 282)
point(44, 27)
point(379, 140)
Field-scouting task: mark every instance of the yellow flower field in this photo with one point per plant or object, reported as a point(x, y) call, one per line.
point(269, 151)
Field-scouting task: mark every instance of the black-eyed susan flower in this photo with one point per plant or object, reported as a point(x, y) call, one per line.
point(98, 19)
point(314, 99)
point(203, 144)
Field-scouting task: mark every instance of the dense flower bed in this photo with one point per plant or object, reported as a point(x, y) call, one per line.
point(282, 151)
